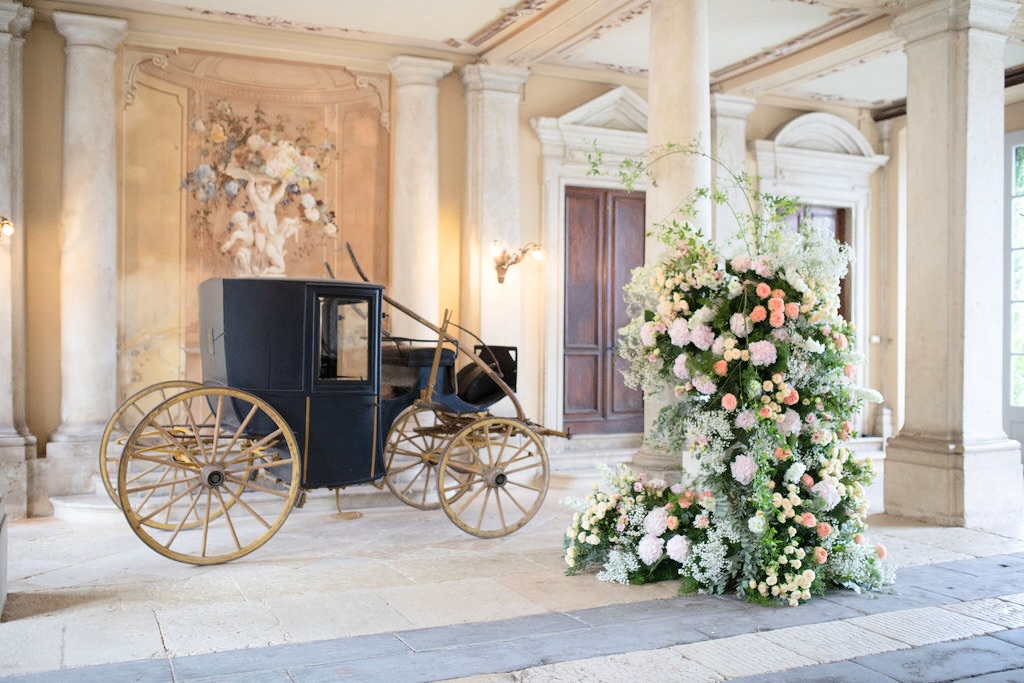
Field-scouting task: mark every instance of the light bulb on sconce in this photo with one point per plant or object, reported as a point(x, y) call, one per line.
point(6, 226)
point(503, 259)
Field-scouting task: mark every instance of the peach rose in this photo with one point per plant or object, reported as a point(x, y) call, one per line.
point(807, 480)
point(820, 555)
point(758, 314)
point(824, 529)
point(808, 519)
point(729, 402)
point(776, 319)
point(792, 397)
point(880, 551)
point(850, 370)
point(858, 539)
point(763, 290)
point(720, 368)
point(792, 310)
point(776, 304)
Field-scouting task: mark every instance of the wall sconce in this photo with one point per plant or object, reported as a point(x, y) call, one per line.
point(503, 259)
point(6, 226)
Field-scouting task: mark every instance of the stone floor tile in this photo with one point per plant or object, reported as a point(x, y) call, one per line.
point(446, 637)
point(211, 628)
point(607, 640)
point(1012, 636)
point(1001, 612)
point(292, 655)
point(766, 617)
point(419, 666)
point(948, 661)
point(832, 641)
point(689, 609)
point(836, 672)
point(978, 587)
point(886, 600)
point(1013, 676)
point(307, 617)
point(31, 645)
point(87, 638)
point(457, 602)
point(744, 655)
point(150, 670)
point(924, 625)
point(561, 593)
point(633, 667)
point(928, 573)
point(979, 566)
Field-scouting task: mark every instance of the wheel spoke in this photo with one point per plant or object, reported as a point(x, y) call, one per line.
point(514, 501)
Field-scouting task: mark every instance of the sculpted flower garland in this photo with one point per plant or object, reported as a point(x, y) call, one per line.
point(762, 367)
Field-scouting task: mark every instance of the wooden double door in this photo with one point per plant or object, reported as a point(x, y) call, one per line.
point(604, 243)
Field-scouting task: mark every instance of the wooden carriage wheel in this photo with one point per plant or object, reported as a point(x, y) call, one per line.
point(216, 487)
point(411, 454)
point(123, 421)
point(493, 476)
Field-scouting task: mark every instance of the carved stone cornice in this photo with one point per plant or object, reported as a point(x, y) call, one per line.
point(158, 60)
point(943, 16)
point(494, 78)
point(409, 70)
point(380, 85)
point(83, 29)
point(15, 19)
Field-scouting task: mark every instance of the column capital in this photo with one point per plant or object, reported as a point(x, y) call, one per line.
point(15, 18)
point(942, 16)
point(409, 70)
point(732, 106)
point(85, 29)
point(498, 78)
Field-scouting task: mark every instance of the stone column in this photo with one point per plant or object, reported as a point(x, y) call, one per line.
point(951, 463)
point(729, 145)
point(88, 269)
point(491, 208)
point(16, 443)
point(679, 112)
point(415, 251)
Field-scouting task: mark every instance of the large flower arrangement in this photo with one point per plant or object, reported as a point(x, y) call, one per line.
point(236, 149)
point(761, 366)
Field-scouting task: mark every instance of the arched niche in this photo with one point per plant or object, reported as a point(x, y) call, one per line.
point(823, 159)
point(617, 123)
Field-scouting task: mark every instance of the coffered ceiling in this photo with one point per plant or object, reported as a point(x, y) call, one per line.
point(837, 51)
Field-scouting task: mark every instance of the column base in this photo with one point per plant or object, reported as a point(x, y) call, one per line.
point(977, 485)
point(655, 464)
point(14, 453)
point(3, 556)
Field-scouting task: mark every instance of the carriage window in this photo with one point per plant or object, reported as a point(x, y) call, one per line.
point(344, 339)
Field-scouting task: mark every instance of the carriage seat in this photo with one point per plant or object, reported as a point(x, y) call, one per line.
point(476, 387)
point(399, 351)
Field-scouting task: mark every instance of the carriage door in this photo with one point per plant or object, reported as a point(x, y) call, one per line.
point(604, 242)
point(343, 429)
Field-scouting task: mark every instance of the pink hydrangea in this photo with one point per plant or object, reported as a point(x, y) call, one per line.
point(763, 267)
point(743, 469)
point(679, 332)
point(762, 353)
point(828, 493)
point(741, 263)
point(647, 334)
point(746, 419)
point(702, 337)
point(790, 422)
point(679, 369)
point(704, 385)
point(738, 324)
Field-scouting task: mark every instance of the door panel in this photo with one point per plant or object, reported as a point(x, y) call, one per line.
point(605, 241)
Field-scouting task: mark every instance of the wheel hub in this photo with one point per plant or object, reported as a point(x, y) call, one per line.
point(212, 476)
point(495, 478)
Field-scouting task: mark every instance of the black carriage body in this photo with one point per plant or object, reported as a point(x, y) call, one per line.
point(311, 349)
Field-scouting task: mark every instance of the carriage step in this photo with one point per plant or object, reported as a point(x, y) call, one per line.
point(84, 507)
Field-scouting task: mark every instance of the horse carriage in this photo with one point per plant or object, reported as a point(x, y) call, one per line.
point(302, 389)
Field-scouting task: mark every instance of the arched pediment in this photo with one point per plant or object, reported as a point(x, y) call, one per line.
point(823, 132)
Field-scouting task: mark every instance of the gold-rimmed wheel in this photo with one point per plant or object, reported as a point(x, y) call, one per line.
point(493, 476)
point(216, 486)
point(411, 454)
point(123, 421)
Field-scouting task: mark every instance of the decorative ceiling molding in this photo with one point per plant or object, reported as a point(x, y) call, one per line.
point(525, 9)
point(868, 41)
point(380, 84)
point(158, 60)
point(616, 122)
point(846, 21)
point(823, 132)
